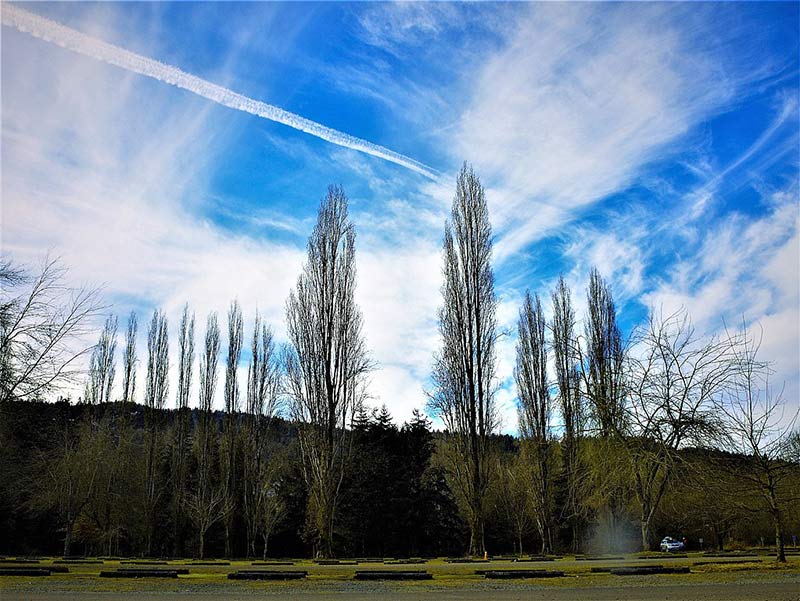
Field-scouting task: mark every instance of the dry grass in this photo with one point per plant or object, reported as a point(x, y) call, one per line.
point(446, 576)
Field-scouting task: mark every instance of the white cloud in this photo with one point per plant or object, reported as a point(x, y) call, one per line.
point(398, 291)
point(705, 194)
point(617, 255)
point(397, 25)
point(54, 32)
point(111, 172)
point(746, 269)
point(581, 98)
point(108, 172)
point(508, 306)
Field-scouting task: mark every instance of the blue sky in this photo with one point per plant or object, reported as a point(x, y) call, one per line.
point(657, 142)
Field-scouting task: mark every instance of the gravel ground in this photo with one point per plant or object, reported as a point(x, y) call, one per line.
point(784, 591)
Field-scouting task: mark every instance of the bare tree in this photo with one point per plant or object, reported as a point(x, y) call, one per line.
point(205, 504)
point(516, 496)
point(570, 401)
point(181, 424)
point(157, 384)
point(271, 505)
point(535, 409)
point(759, 430)
point(43, 324)
point(674, 377)
point(113, 447)
point(603, 383)
point(101, 365)
point(155, 397)
point(185, 358)
point(10, 276)
point(235, 338)
point(129, 361)
point(604, 369)
point(68, 480)
point(263, 384)
point(464, 369)
point(209, 362)
point(327, 362)
point(205, 508)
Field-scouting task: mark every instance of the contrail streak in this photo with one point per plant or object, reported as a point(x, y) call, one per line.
point(68, 38)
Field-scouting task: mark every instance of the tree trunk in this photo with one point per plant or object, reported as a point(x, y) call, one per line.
point(477, 542)
point(544, 531)
point(613, 545)
point(150, 500)
point(780, 547)
point(718, 537)
point(329, 536)
point(176, 548)
point(645, 527)
point(149, 544)
point(68, 538)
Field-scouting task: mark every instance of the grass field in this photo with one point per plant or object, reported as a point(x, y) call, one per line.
point(750, 577)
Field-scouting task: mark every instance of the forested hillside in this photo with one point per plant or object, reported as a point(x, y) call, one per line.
point(63, 462)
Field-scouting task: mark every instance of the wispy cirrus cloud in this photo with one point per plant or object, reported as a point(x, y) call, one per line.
point(581, 99)
point(563, 109)
point(567, 108)
point(745, 269)
point(786, 115)
point(118, 182)
point(108, 181)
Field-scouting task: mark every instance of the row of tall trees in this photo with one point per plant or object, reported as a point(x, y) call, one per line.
point(320, 374)
point(77, 472)
point(606, 422)
point(642, 400)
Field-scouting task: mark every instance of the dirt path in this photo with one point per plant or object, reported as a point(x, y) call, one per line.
point(773, 591)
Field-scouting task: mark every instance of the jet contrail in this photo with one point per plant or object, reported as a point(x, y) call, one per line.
point(68, 38)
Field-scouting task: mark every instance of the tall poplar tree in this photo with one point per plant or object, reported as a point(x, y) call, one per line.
point(327, 362)
point(155, 396)
point(464, 368)
point(535, 409)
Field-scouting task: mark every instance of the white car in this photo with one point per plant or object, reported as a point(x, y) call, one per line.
point(670, 545)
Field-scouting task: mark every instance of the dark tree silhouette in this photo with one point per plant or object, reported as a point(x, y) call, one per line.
point(155, 397)
point(102, 365)
point(43, 323)
point(570, 402)
point(129, 361)
point(464, 368)
point(180, 432)
point(535, 409)
point(327, 361)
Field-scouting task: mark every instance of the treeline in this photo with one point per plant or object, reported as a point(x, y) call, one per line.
point(82, 467)
point(622, 439)
point(76, 480)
